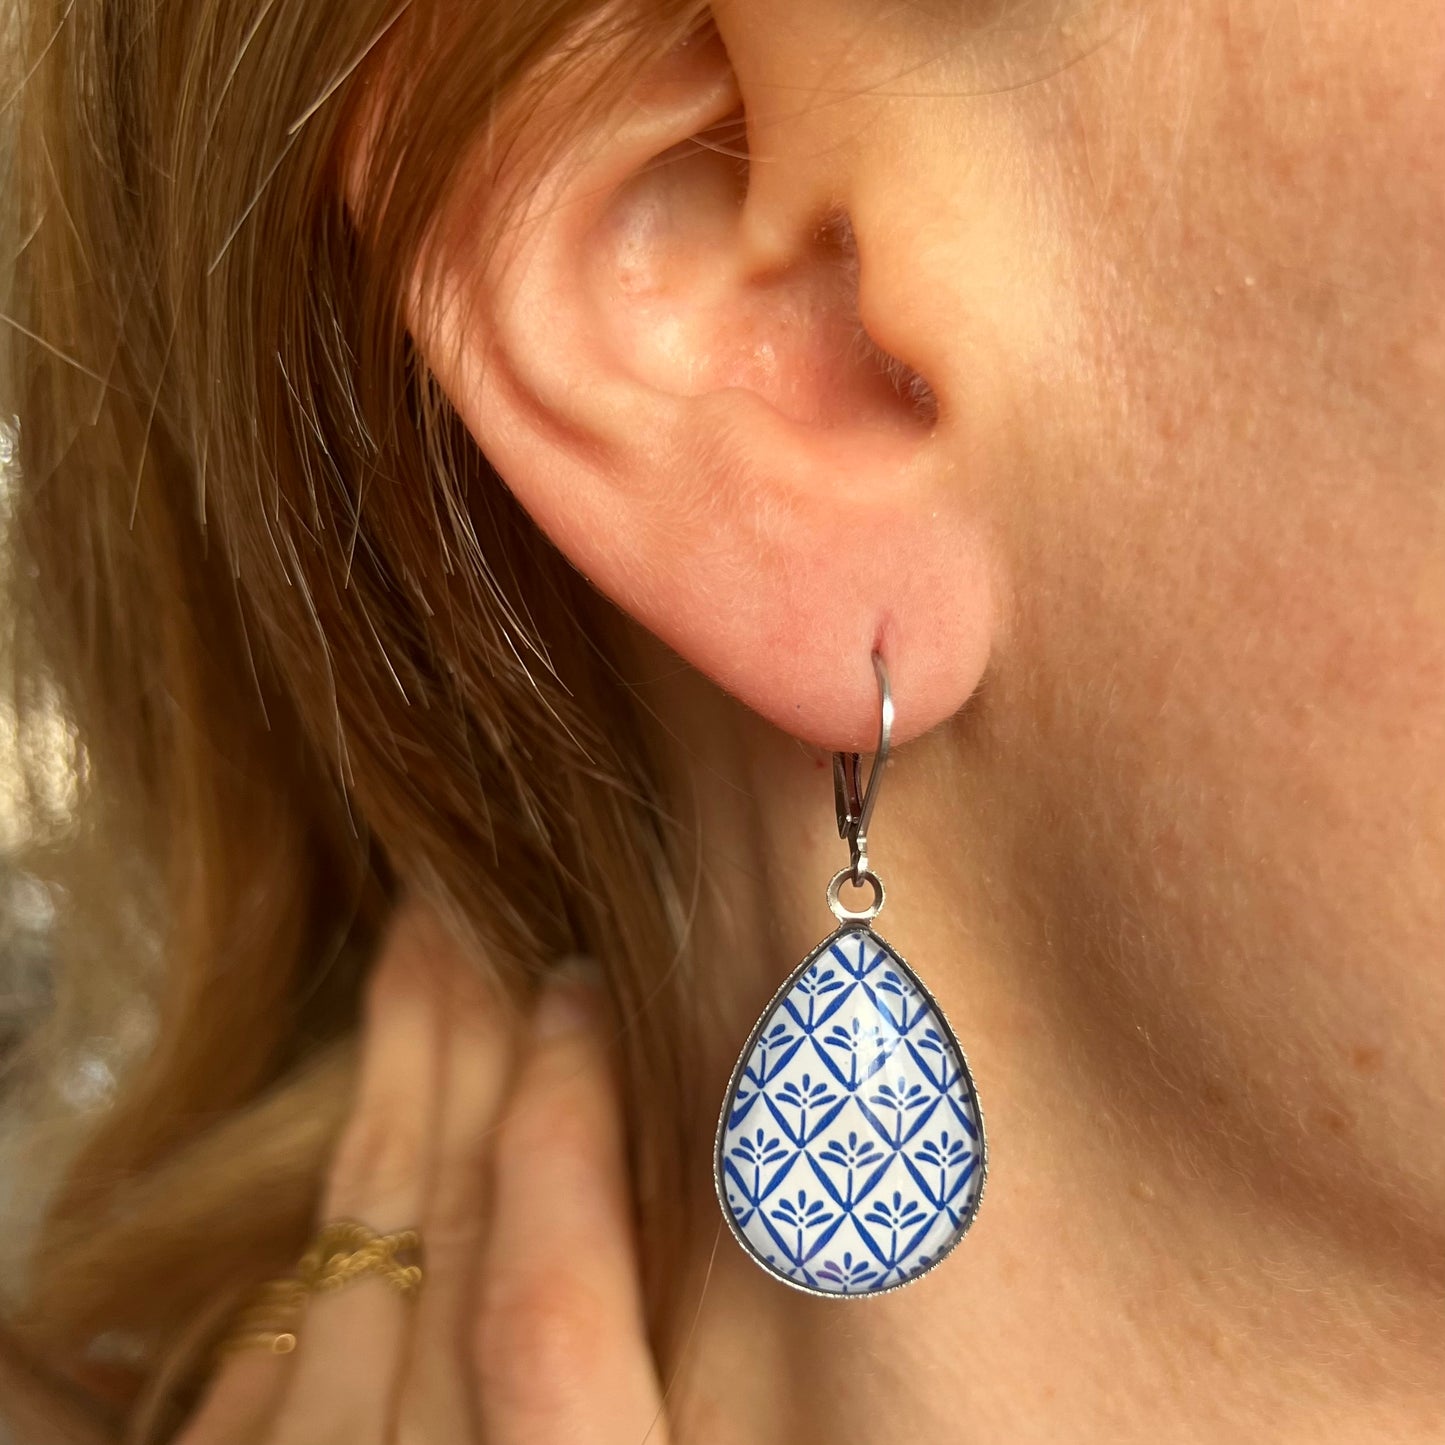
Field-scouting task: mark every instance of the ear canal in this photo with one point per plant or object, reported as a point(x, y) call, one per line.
point(902, 381)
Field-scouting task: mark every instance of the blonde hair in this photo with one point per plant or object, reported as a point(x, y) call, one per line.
point(308, 643)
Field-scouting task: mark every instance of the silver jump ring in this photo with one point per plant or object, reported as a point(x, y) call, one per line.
point(841, 911)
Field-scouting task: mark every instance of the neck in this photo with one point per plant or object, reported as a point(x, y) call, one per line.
point(1133, 1270)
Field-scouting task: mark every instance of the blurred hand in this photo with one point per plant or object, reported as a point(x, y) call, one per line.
point(508, 1155)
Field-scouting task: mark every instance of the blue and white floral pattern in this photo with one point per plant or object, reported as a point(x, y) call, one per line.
point(850, 1150)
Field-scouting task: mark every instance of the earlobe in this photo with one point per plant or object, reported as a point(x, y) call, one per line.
point(677, 387)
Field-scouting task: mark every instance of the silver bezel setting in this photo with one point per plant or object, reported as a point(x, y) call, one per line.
point(719, 1182)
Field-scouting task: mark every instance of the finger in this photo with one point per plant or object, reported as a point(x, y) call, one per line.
point(239, 1400)
point(478, 1045)
point(351, 1342)
point(562, 1351)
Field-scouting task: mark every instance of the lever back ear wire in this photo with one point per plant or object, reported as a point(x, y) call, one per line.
point(854, 804)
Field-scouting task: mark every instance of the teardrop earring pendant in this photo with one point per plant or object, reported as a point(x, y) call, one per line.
point(850, 1152)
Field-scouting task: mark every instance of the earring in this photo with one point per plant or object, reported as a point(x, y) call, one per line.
point(850, 1152)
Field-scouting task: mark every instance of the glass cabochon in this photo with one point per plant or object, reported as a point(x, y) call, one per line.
point(850, 1150)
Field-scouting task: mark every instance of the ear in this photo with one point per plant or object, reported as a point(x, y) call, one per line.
point(667, 366)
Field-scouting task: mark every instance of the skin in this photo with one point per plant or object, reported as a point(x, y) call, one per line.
point(1174, 276)
point(480, 1134)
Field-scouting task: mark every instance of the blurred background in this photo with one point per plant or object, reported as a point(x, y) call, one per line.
point(47, 1092)
point(27, 905)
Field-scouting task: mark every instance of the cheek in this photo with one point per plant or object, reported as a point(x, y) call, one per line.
point(1226, 668)
point(1232, 760)
point(1258, 538)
